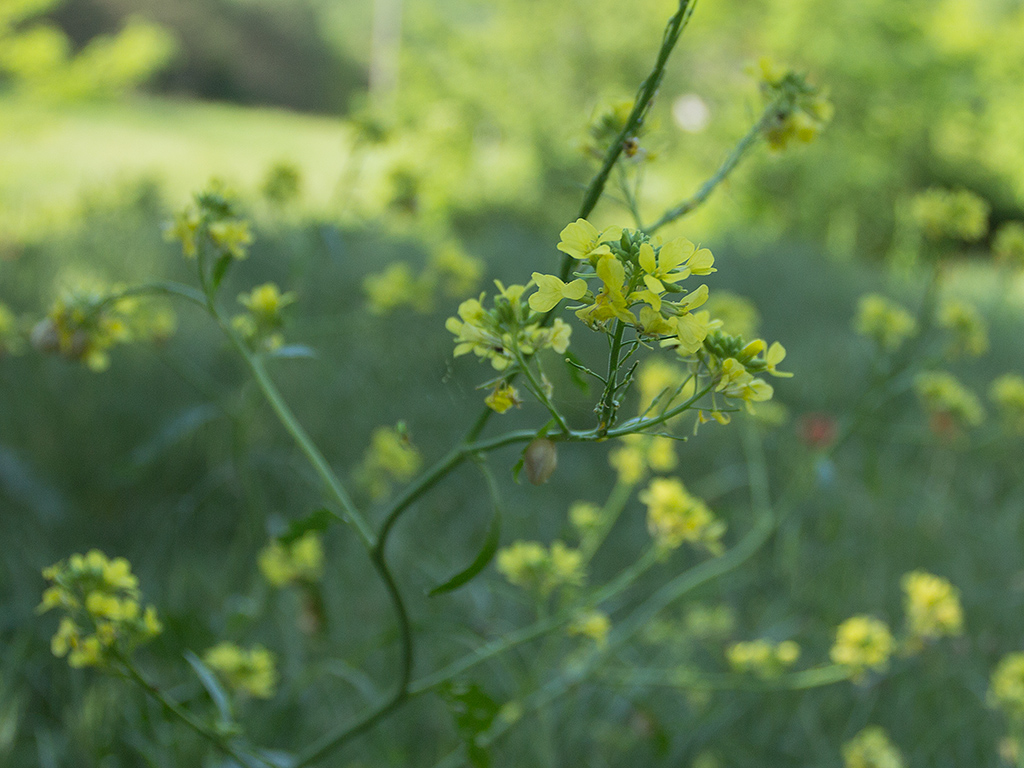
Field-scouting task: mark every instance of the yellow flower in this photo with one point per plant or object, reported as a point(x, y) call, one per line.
point(503, 397)
point(248, 671)
point(884, 321)
point(530, 565)
point(296, 561)
point(932, 606)
point(762, 657)
point(232, 236)
point(99, 597)
point(691, 330)
point(266, 301)
point(1006, 686)
point(942, 394)
point(593, 624)
point(968, 329)
point(610, 302)
point(551, 290)
point(1007, 392)
point(674, 516)
point(863, 643)
point(581, 240)
point(871, 748)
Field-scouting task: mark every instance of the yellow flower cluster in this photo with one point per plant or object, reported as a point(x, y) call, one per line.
point(1006, 686)
point(506, 332)
point(950, 214)
point(871, 748)
point(260, 325)
point(932, 606)
point(250, 671)
point(945, 397)
point(800, 112)
point(86, 321)
point(391, 457)
point(1007, 392)
point(103, 618)
point(1008, 245)
point(532, 566)
point(592, 624)
point(301, 560)
point(863, 643)
point(636, 454)
point(674, 516)
point(211, 224)
point(762, 657)
point(886, 322)
point(733, 365)
point(450, 271)
point(968, 329)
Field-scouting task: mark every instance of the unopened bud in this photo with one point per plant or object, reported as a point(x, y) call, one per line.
point(540, 460)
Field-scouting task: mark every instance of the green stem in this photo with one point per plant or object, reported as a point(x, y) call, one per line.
point(291, 424)
point(217, 739)
point(764, 525)
point(611, 384)
point(701, 195)
point(541, 395)
point(641, 106)
point(609, 515)
point(693, 680)
point(539, 628)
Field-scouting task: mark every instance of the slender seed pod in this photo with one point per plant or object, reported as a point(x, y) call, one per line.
point(539, 460)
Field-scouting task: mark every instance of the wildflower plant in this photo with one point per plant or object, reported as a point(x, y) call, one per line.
point(667, 353)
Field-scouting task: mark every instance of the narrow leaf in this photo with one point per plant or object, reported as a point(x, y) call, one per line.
point(220, 698)
point(481, 561)
point(219, 270)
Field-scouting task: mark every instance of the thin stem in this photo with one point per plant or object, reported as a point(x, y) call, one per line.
point(764, 525)
point(641, 106)
point(538, 391)
point(608, 399)
point(701, 195)
point(539, 628)
point(291, 424)
point(687, 679)
point(217, 739)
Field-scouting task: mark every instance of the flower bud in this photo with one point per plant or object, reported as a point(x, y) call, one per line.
point(540, 460)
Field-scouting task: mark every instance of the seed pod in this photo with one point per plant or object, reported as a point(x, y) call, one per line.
point(539, 460)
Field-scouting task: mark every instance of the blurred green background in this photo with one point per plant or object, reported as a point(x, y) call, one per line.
point(412, 125)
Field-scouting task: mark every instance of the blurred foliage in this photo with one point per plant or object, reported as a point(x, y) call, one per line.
point(245, 52)
point(38, 60)
point(171, 459)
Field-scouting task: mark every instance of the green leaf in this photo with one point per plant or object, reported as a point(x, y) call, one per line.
point(481, 561)
point(220, 269)
point(220, 697)
point(319, 520)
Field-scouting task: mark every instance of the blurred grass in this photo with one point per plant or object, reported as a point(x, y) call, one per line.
point(172, 460)
point(51, 155)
